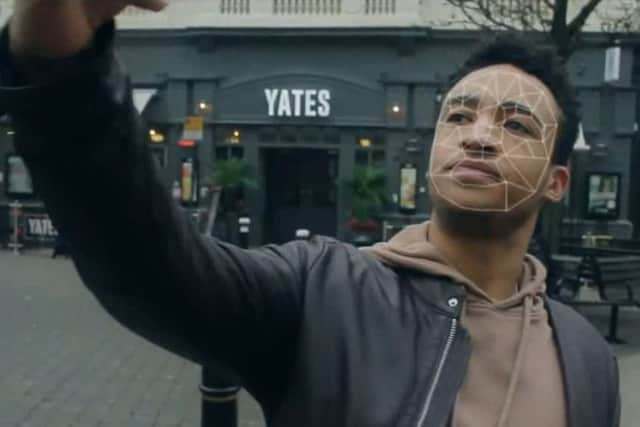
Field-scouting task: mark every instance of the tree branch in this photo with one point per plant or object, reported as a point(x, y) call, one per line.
point(559, 21)
point(549, 4)
point(578, 22)
point(623, 22)
point(542, 14)
point(538, 15)
point(472, 8)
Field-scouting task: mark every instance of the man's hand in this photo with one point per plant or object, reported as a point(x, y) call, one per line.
point(60, 28)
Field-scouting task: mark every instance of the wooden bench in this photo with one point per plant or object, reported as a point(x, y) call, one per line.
point(614, 277)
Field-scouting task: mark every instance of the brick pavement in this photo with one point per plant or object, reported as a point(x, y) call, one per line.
point(64, 362)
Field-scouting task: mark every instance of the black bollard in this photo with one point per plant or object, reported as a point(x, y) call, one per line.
point(220, 395)
point(219, 400)
point(302, 234)
point(244, 224)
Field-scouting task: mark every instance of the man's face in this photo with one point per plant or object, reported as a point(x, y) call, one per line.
point(494, 141)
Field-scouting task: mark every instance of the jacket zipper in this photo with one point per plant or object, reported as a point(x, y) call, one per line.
point(427, 404)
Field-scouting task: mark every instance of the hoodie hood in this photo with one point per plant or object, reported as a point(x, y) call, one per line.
point(410, 248)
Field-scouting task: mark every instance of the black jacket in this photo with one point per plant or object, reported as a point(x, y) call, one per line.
point(319, 332)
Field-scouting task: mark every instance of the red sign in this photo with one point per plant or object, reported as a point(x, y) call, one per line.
point(186, 143)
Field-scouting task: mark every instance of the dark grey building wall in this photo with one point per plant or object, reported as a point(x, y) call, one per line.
point(368, 73)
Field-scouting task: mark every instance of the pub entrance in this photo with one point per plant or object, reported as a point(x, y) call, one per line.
point(300, 192)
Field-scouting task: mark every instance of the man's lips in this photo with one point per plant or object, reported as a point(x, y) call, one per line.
point(476, 169)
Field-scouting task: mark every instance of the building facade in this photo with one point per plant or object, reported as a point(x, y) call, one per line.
point(307, 90)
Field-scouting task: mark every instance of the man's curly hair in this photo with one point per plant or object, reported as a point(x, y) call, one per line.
point(546, 65)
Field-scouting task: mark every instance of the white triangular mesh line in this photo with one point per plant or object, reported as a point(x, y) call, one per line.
point(523, 148)
point(526, 181)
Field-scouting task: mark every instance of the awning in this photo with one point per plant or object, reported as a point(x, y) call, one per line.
point(141, 98)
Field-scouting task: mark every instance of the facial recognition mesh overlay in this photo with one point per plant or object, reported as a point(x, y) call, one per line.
point(494, 140)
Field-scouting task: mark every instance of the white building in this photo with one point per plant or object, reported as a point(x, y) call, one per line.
point(436, 14)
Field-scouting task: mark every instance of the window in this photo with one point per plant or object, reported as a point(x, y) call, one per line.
point(229, 135)
point(289, 135)
point(229, 152)
point(307, 7)
point(310, 135)
point(370, 151)
point(380, 7)
point(268, 135)
point(235, 7)
point(332, 138)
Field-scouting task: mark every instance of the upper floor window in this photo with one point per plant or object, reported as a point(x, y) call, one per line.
point(235, 7)
point(380, 7)
point(308, 7)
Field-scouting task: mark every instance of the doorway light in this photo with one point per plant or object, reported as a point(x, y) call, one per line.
point(235, 137)
point(204, 107)
point(156, 136)
point(364, 142)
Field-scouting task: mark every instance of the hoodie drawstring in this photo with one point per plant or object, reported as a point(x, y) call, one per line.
point(517, 367)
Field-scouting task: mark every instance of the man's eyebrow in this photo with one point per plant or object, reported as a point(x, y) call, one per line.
point(520, 108)
point(465, 100)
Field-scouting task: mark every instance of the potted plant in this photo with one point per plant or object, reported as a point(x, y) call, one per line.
point(368, 198)
point(226, 179)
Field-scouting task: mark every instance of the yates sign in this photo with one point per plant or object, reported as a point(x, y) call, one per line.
point(298, 102)
point(39, 227)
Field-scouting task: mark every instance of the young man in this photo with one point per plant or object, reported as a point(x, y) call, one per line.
point(445, 325)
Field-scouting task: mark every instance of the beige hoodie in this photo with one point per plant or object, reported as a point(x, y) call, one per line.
point(514, 377)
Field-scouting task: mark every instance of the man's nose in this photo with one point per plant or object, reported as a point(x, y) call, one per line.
point(480, 140)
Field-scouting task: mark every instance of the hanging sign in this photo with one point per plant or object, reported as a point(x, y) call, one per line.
point(193, 128)
point(612, 64)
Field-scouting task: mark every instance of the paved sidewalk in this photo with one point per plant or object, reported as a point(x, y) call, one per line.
point(64, 362)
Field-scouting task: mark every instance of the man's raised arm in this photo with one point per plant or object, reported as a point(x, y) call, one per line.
point(81, 137)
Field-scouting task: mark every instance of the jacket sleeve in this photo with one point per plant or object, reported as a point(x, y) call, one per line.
point(209, 301)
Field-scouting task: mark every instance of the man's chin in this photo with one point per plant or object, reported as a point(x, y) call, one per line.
point(478, 199)
point(471, 207)
point(500, 198)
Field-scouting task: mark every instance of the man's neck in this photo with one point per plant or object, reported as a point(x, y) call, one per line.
point(487, 249)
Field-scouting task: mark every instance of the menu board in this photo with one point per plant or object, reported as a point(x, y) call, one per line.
point(408, 181)
point(603, 200)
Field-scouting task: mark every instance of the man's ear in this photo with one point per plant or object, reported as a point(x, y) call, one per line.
point(557, 183)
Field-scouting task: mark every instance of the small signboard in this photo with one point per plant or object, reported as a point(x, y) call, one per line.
point(39, 227)
point(603, 200)
point(612, 64)
point(193, 128)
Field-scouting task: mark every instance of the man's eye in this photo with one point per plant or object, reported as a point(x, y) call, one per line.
point(458, 118)
point(517, 127)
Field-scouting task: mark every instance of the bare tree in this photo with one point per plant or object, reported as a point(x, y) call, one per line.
point(553, 17)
